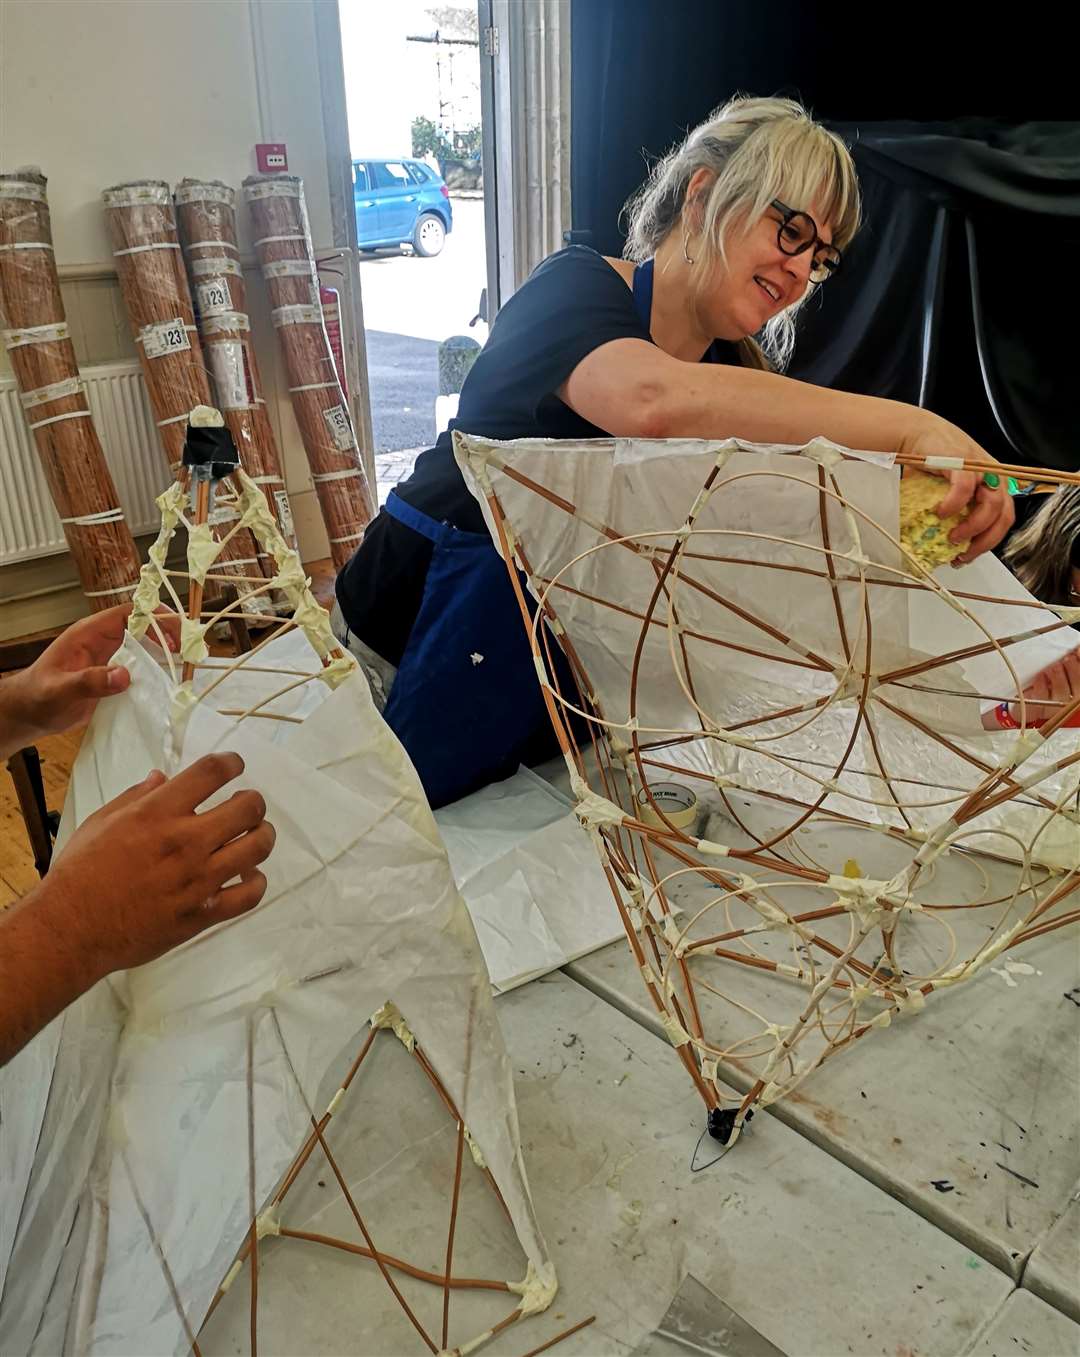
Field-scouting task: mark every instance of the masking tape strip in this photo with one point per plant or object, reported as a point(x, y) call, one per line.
point(142, 249)
point(23, 188)
point(268, 480)
point(91, 520)
point(210, 265)
point(28, 245)
point(290, 187)
point(206, 193)
point(349, 537)
point(42, 395)
point(104, 593)
point(336, 475)
point(315, 386)
point(228, 320)
point(36, 334)
point(274, 240)
point(231, 1276)
point(137, 195)
point(302, 313)
point(945, 463)
point(213, 245)
point(75, 414)
point(289, 268)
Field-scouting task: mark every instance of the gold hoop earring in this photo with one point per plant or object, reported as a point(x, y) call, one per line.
point(686, 245)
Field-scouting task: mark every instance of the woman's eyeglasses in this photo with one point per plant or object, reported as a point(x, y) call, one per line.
point(798, 233)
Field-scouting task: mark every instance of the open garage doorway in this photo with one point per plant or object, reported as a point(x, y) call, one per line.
point(412, 84)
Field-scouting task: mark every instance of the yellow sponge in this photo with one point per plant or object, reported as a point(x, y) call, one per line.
point(924, 534)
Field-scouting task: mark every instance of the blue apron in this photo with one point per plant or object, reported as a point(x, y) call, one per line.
point(465, 702)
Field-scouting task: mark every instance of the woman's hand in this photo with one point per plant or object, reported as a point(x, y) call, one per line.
point(991, 510)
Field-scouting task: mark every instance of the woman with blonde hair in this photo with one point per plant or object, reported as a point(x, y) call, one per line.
point(684, 338)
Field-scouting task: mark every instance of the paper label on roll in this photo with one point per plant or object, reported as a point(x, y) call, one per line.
point(229, 369)
point(169, 336)
point(284, 513)
point(212, 296)
point(340, 426)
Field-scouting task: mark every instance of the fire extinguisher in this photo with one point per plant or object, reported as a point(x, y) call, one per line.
point(331, 310)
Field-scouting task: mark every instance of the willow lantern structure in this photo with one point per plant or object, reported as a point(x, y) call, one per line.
point(261, 1094)
point(751, 631)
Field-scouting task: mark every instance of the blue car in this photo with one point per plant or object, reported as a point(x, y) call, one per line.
point(400, 202)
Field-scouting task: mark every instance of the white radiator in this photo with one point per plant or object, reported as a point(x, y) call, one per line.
point(29, 525)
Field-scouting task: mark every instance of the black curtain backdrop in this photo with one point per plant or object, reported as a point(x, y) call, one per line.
point(959, 292)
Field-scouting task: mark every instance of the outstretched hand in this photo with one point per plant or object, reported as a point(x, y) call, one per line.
point(64, 685)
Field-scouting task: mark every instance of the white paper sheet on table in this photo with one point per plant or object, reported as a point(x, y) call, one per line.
point(529, 877)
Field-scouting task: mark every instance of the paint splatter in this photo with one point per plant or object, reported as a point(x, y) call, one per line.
point(1011, 968)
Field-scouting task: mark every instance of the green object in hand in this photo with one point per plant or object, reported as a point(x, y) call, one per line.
point(993, 480)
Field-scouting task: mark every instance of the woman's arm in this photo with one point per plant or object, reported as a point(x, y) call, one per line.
point(631, 388)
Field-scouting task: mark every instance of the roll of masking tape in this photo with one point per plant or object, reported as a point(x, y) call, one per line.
point(677, 803)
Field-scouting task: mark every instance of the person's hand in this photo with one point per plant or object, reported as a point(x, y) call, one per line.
point(147, 872)
point(1059, 684)
point(64, 685)
point(991, 510)
point(1055, 687)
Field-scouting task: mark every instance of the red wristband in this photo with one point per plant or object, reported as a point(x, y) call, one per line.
point(1007, 721)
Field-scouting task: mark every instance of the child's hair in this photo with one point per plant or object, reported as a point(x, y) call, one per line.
point(1044, 552)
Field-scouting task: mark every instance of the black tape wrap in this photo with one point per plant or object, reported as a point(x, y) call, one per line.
point(212, 447)
point(721, 1122)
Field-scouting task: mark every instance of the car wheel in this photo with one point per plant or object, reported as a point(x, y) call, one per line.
point(429, 236)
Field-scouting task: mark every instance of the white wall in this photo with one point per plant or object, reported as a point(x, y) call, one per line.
point(96, 92)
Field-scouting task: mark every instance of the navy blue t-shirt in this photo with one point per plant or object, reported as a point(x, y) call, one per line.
point(571, 304)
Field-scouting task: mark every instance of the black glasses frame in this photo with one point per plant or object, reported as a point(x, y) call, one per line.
point(827, 258)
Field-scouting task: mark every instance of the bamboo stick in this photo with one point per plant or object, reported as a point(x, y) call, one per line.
point(283, 244)
point(158, 303)
point(206, 218)
point(53, 397)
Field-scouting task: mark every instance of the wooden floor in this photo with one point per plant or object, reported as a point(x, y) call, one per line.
point(17, 873)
